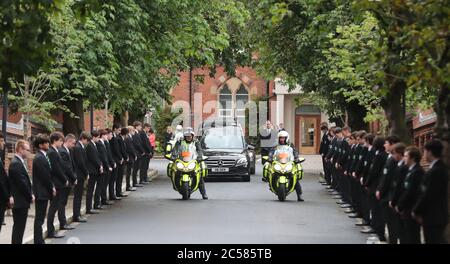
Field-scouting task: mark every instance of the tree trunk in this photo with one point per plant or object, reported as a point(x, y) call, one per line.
point(442, 129)
point(356, 114)
point(124, 118)
point(395, 113)
point(74, 125)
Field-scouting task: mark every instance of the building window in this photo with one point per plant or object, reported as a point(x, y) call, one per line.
point(241, 101)
point(226, 102)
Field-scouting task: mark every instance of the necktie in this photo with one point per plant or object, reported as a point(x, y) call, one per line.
point(48, 160)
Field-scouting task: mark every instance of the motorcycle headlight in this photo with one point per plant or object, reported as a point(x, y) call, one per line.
point(191, 166)
point(242, 162)
point(288, 167)
point(180, 166)
point(277, 167)
point(250, 154)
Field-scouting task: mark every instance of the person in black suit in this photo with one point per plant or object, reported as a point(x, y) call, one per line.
point(125, 160)
point(81, 171)
point(6, 199)
point(104, 178)
point(116, 154)
point(60, 180)
point(361, 171)
point(431, 209)
point(132, 157)
point(21, 190)
point(323, 150)
point(385, 185)
point(410, 189)
point(374, 175)
point(69, 170)
point(43, 187)
point(140, 153)
point(112, 163)
point(351, 171)
point(148, 151)
point(95, 169)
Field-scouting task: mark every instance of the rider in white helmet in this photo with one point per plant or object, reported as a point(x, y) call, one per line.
point(187, 140)
point(283, 139)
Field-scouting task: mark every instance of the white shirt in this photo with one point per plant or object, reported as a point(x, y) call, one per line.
point(43, 152)
point(412, 167)
point(23, 161)
point(55, 149)
point(433, 162)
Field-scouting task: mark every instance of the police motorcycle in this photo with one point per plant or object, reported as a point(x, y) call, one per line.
point(185, 170)
point(283, 171)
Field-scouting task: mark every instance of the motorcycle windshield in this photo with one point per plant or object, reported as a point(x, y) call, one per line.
point(188, 152)
point(284, 154)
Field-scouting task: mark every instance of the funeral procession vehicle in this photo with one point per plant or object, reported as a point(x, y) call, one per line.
point(229, 155)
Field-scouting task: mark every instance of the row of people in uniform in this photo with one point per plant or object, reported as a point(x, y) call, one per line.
point(98, 160)
point(380, 181)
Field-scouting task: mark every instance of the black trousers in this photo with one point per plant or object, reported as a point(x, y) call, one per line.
point(377, 221)
point(409, 230)
point(365, 205)
point(78, 197)
point(2, 214)
point(355, 188)
point(298, 188)
point(92, 183)
point(99, 190)
point(65, 192)
point(144, 168)
point(104, 180)
point(136, 167)
point(112, 183)
point(20, 216)
point(201, 187)
point(41, 211)
point(264, 152)
point(434, 234)
point(130, 166)
point(326, 172)
point(119, 181)
point(334, 176)
point(55, 204)
point(392, 221)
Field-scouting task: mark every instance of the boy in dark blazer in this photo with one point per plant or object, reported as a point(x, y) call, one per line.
point(431, 209)
point(68, 166)
point(43, 187)
point(95, 169)
point(21, 190)
point(81, 171)
point(409, 192)
point(60, 180)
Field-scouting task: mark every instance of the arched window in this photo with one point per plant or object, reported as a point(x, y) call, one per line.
point(241, 100)
point(226, 101)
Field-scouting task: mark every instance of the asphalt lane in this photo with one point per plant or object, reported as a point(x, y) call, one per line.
point(236, 212)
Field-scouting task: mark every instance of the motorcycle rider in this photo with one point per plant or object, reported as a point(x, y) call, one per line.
point(283, 140)
point(186, 143)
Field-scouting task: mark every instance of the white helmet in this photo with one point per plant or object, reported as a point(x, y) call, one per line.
point(189, 132)
point(284, 134)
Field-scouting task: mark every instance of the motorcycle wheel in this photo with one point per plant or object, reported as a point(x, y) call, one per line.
point(185, 190)
point(282, 192)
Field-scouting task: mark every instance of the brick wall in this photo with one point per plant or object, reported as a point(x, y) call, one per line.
point(255, 84)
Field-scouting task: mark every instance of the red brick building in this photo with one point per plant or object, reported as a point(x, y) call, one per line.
point(222, 88)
